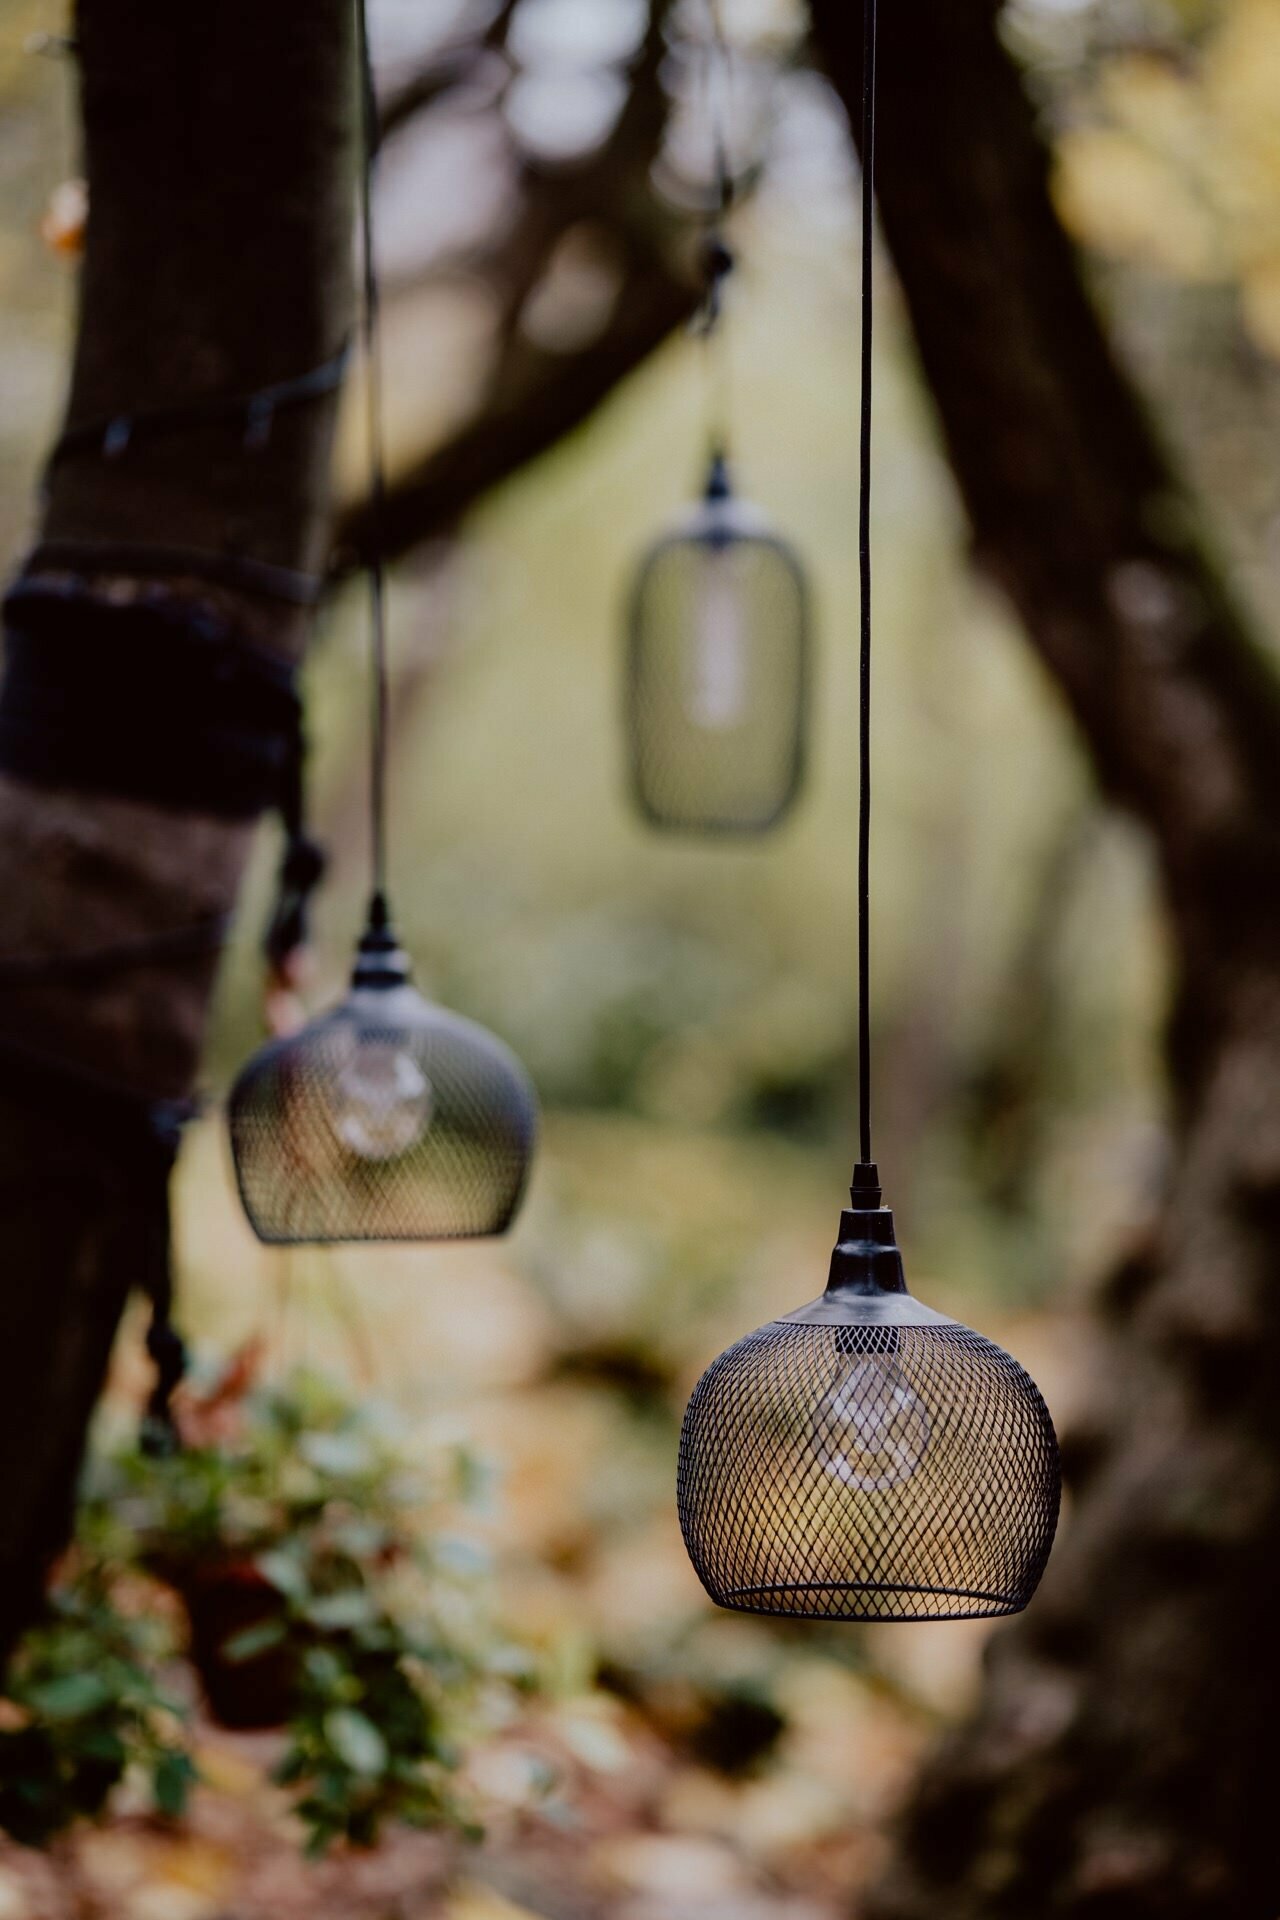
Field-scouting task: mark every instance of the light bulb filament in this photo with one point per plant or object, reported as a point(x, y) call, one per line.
point(383, 1101)
point(870, 1430)
point(718, 689)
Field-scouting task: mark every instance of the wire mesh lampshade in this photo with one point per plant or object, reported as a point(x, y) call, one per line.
point(868, 1459)
point(386, 1118)
point(718, 671)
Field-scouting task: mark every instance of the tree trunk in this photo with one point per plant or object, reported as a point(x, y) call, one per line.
point(1118, 1762)
point(218, 155)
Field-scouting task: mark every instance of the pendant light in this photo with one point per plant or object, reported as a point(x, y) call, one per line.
point(866, 1458)
point(717, 678)
point(386, 1118)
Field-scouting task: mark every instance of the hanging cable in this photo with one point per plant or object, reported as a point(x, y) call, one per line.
point(253, 413)
point(865, 1177)
point(377, 473)
point(717, 255)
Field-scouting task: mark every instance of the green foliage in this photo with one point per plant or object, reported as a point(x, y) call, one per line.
point(362, 1617)
point(82, 1705)
point(369, 1741)
point(292, 1472)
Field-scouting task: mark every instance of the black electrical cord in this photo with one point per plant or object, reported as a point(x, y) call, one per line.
point(254, 412)
point(717, 255)
point(719, 86)
point(865, 1177)
point(377, 474)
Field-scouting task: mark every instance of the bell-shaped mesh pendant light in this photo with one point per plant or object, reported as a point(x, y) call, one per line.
point(868, 1459)
point(385, 1118)
point(718, 670)
point(717, 673)
point(865, 1458)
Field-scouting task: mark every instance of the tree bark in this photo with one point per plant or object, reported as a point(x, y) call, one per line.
point(218, 154)
point(1118, 1762)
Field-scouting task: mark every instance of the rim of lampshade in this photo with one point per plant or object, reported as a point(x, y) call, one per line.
point(993, 1606)
point(712, 523)
point(435, 1014)
point(872, 1309)
point(867, 1284)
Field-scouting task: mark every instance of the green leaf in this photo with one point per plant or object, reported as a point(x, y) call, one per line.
point(252, 1641)
point(353, 1607)
point(323, 1669)
point(104, 1743)
point(172, 1779)
point(71, 1696)
point(356, 1741)
point(284, 1573)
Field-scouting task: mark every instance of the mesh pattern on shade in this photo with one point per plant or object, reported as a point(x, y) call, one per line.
point(717, 684)
point(386, 1119)
point(868, 1473)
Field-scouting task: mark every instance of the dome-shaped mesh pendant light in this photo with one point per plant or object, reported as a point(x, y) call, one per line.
point(865, 1458)
point(718, 643)
point(868, 1459)
point(718, 670)
point(385, 1118)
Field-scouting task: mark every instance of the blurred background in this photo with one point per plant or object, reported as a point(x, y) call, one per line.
point(686, 1008)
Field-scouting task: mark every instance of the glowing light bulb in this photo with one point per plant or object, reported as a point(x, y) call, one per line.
point(870, 1430)
point(382, 1101)
point(717, 690)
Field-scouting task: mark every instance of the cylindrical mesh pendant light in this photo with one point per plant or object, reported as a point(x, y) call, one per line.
point(717, 673)
point(865, 1458)
point(718, 670)
point(868, 1459)
point(385, 1118)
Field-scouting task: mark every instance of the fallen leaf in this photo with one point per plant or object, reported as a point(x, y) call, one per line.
point(669, 1864)
point(472, 1902)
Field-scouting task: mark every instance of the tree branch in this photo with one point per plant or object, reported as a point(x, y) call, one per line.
point(536, 400)
point(451, 66)
point(534, 396)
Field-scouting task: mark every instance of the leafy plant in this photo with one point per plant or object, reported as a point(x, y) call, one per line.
point(82, 1705)
point(369, 1741)
point(322, 1595)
